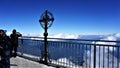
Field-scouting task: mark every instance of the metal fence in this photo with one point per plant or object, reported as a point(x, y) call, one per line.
point(73, 53)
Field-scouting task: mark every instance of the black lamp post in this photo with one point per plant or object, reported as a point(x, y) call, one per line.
point(46, 22)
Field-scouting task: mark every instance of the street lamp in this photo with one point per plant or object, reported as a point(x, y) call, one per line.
point(46, 21)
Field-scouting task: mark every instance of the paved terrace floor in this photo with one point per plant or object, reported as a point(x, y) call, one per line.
point(19, 62)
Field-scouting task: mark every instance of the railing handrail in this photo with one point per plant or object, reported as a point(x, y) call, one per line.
point(75, 41)
point(94, 44)
point(72, 39)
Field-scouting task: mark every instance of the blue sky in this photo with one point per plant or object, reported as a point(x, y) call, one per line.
point(71, 16)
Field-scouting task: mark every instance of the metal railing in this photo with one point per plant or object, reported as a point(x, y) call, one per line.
point(73, 53)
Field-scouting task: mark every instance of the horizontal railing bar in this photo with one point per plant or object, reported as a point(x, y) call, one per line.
point(78, 43)
point(73, 39)
point(32, 39)
point(93, 44)
point(107, 45)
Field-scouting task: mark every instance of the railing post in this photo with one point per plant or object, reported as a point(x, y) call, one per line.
point(95, 54)
point(22, 45)
point(118, 58)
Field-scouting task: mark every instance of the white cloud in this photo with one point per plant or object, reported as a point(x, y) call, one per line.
point(61, 35)
point(33, 34)
point(112, 37)
point(8, 33)
point(117, 35)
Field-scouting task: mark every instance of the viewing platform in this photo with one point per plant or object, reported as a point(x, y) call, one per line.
point(19, 62)
point(67, 53)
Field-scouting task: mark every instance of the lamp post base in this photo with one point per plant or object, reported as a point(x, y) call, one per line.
point(42, 59)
